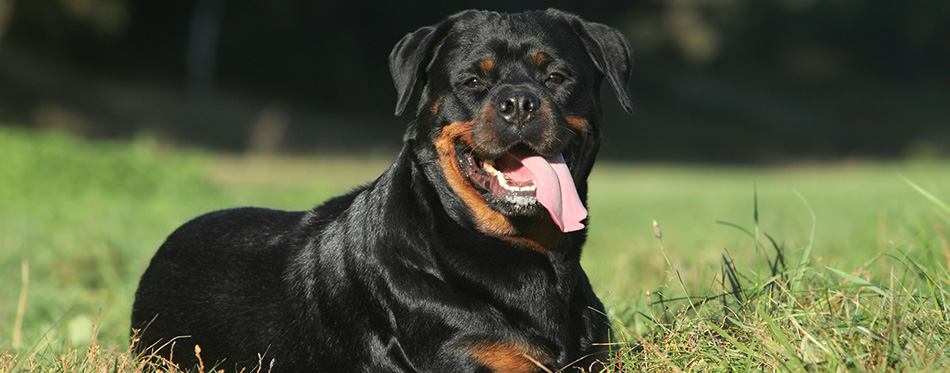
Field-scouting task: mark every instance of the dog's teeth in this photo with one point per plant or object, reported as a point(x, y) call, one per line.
point(504, 182)
point(489, 167)
point(519, 189)
point(521, 200)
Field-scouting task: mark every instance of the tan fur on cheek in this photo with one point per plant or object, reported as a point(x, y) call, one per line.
point(543, 236)
point(488, 220)
point(579, 124)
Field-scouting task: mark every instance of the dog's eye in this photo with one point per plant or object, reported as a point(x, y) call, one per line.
point(474, 83)
point(556, 78)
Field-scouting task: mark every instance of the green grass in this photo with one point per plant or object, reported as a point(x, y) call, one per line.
point(860, 284)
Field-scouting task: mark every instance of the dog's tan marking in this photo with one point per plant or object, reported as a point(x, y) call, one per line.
point(509, 357)
point(486, 65)
point(488, 220)
point(579, 124)
point(542, 236)
point(436, 105)
point(538, 59)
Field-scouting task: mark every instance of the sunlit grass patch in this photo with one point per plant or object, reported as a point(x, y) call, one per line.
point(798, 315)
point(854, 279)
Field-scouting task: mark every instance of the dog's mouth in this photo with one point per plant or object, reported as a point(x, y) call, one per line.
point(522, 182)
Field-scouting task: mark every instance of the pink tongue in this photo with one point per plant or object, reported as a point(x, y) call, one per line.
point(555, 189)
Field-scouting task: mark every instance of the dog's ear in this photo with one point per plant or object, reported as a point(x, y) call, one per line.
point(611, 53)
point(410, 58)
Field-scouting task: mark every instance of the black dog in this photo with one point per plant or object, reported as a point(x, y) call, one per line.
point(462, 257)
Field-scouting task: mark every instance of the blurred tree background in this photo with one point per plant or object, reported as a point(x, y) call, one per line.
point(714, 80)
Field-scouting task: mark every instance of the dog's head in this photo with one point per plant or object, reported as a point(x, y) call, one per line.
point(510, 112)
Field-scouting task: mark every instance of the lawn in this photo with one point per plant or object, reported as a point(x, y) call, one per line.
point(862, 286)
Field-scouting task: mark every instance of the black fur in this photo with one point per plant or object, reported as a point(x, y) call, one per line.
point(399, 275)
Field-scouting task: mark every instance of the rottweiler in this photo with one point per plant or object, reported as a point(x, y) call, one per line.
point(462, 257)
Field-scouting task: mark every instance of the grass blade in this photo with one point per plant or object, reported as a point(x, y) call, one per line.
point(859, 281)
point(728, 337)
point(800, 270)
point(779, 335)
point(926, 194)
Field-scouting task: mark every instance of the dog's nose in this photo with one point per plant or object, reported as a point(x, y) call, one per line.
point(518, 106)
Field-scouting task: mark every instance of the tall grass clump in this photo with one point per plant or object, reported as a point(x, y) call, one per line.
point(101, 359)
point(790, 313)
point(67, 358)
